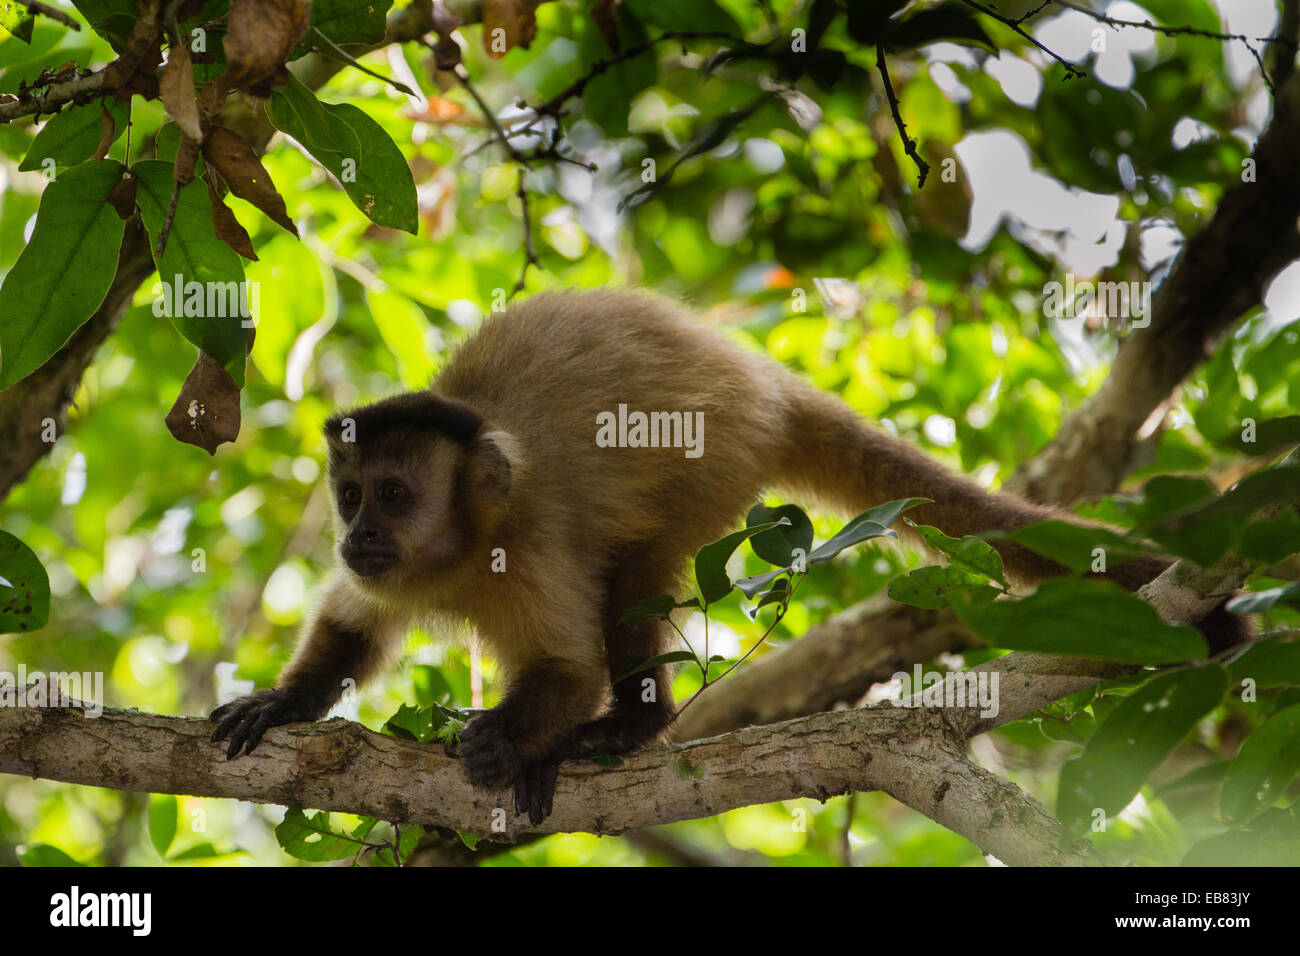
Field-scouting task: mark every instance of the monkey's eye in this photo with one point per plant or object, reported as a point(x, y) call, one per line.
point(352, 495)
point(392, 491)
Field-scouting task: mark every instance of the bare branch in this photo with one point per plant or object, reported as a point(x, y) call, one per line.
point(340, 765)
point(909, 144)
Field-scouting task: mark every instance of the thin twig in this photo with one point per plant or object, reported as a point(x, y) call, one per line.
point(55, 95)
point(530, 251)
point(1281, 38)
point(1071, 70)
point(166, 229)
point(36, 7)
point(909, 145)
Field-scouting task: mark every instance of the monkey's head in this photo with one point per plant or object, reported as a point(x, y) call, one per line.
point(416, 481)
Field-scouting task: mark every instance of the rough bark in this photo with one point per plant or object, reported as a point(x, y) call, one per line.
point(338, 765)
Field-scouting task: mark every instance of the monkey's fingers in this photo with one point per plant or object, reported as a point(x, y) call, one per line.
point(489, 756)
point(230, 716)
point(535, 790)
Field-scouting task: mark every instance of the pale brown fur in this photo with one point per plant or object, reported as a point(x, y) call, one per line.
point(588, 531)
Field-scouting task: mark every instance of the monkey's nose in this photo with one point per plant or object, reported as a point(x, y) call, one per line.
point(364, 535)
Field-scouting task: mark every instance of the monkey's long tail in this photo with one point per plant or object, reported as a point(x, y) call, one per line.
point(852, 465)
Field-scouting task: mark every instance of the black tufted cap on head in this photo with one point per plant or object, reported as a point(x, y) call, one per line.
point(414, 413)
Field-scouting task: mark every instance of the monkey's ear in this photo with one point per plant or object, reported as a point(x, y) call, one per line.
point(493, 461)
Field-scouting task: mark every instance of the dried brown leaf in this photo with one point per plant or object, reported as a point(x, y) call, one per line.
point(187, 155)
point(122, 196)
point(259, 36)
point(135, 71)
point(226, 225)
point(244, 173)
point(177, 90)
point(508, 24)
point(206, 412)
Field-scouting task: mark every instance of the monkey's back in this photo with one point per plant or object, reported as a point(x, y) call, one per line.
point(545, 369)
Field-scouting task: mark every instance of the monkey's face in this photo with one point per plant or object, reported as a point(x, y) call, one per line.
point(396, 515)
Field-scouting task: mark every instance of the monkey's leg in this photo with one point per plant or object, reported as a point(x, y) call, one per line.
point(344, 642)
point(643, 701)
point(515, 742)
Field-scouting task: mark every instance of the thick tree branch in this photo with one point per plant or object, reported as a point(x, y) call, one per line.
point(339, 765)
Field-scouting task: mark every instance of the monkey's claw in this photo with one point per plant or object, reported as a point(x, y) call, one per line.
point(246, 719)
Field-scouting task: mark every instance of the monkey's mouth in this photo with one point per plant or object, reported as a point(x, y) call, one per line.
point(371, 564)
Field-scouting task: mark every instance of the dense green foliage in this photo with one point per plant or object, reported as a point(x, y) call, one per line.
point(163, 562)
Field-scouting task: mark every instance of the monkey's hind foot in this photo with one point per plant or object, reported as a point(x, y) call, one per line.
point(246, 719)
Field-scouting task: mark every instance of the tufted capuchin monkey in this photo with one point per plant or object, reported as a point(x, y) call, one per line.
point(493, 496)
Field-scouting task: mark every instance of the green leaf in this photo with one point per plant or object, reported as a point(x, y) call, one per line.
point(311, 837)
point(1261, 602)
point(636, 667)
point(196, 255)
point(1270, 663)
point(778, 545)
point(1085, 617)
point(16, 20)
point(351, 21)
point(855, 532)
point(935, 587)
point(704, 15)
point(752, 585)
point(970, 553)
point(779, 592)
point(1264, 767)
point(872, 523)
point(867, 18)
point(112, 19)
point(609, 94)
point(320, 43)
point(952, 21)
point(1204, 527)
point(711, 561)
point(42, 854)
point(201, 851)
point(1072, 544)
point(470, 840)
point(1271, 840)
point(24, 587)
point(411, 723)
point(1135, 739)
point(1267, 542)
point(164, 810)
point(65, 271)
point(73, 136)
point(355, 149)
point(1269, 436)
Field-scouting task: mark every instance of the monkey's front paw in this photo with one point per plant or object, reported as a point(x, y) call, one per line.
point(489, 754)
point(246, 719)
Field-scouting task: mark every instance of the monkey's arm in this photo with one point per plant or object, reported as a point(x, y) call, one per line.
point(347, 639)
